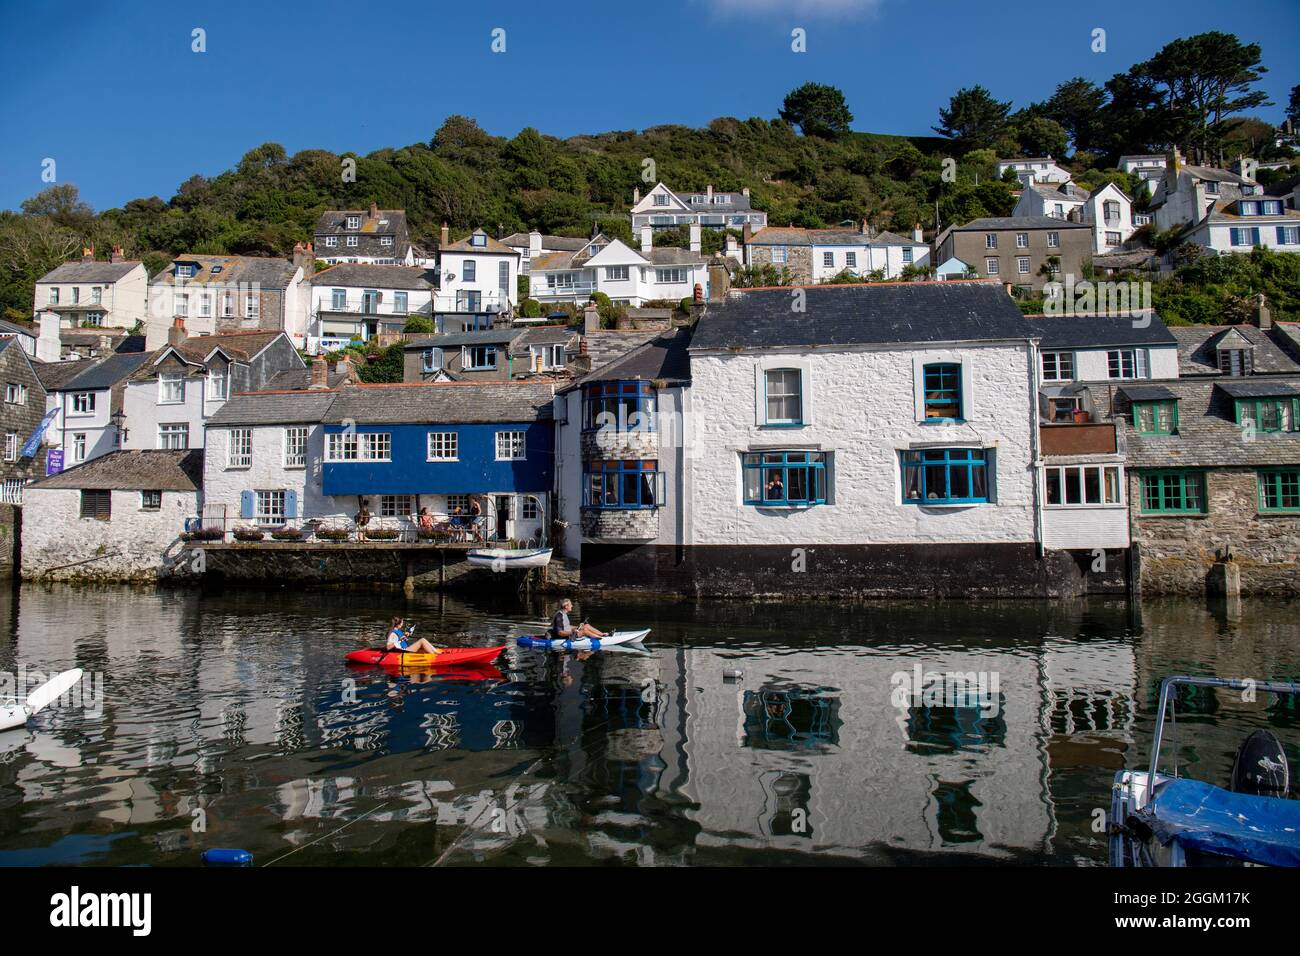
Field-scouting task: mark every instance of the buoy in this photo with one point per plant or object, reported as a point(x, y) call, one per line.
point(733, 673)
point(219, 856)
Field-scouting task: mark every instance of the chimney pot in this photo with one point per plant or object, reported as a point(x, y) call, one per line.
point(636, 195)
point(177, 334)
point(117, 254)
point(590, 319)
point(444, 239)
point(1263, 314)
point(87, 253)
point(320, 372)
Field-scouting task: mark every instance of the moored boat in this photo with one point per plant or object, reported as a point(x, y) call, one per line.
point(509, 559)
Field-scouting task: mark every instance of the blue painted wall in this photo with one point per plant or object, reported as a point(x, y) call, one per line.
point(411, 473)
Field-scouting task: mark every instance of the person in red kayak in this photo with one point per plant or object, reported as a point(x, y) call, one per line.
point(560, 626)
point(399, 639)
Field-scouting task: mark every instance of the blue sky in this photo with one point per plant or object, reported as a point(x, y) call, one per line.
point(113, 92)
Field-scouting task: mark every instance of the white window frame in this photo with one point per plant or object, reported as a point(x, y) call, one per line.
point(798, 393)
point(443, 446)
point(218, 386)
point(79, 446)
point(145, 505)
point(1054, 360)
point(552, 356)
point(1101, 468)
point(331, 242)
point(396, 506)
point(1022, 265)
point(352, 222)
point(294, 444)
point(168, 392)
point(239, 448)
point(342, 446)
point(169, 431)
point(252, 305)
point(673, 276)
point(268, 507)
point(1139, 364)
point(11, 446)
point(992, 266)
point(513, 443)
point(86, 401)
point(16, 393)
point(616, 274)
point(375, 446)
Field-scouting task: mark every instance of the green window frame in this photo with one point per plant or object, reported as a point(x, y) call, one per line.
point(942, 388)
point(1173, 492)
point(1155, 418)
point(1277, 414)
point(1279, 491)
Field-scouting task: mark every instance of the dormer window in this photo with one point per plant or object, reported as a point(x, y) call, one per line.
point(184, 271)
point(1271, 207)
point(217, 269)
point(478, 239)
point(1155, 418)
point(353, 222)
point(661, 199)
point(1235, 362)
point(1211, 187)
point(1249, 208)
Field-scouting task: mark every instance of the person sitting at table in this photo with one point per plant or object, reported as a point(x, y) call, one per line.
point(426, 520)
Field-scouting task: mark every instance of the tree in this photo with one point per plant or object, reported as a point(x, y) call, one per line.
point(1038, 135)
point(419, 324)
point(61, 203)
point(1293, 107)
point(817, 109)
point(974, 119)
point(1076, 106)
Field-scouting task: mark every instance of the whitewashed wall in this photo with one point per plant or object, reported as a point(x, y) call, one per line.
point(223, 485)
point(132, 545)
point(1093, 365)
point(98, 428)
point(864, 413)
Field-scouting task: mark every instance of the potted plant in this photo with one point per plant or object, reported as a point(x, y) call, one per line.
point(1082, 416)
point(332, 534)
point(382, 534)
point(204, 534)
point(286, 534)
point(248, 534)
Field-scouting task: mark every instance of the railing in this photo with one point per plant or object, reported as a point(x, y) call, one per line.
point(445, 528)
point(11, 491)
point(553, 292)
point(316, 344)
point(457, 302)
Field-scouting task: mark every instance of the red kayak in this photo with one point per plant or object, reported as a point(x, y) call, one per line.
point(443, 657)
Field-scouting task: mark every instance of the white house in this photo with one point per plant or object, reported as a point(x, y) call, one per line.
point(167, 400)
point(1109, 211)
point(91, 293)
point(816, 255)
point(1243, 224)
point(119, 517)
point(213, 294)
point(1149, 168)
point(89, 406)
point(627, 276)
point(1035, 169)
point(1186, 193)
point(1055, 202)
point(661, 208)
point(477, 275)
point(355, 302)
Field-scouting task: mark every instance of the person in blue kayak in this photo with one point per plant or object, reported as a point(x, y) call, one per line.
point(399, 639)
point(562, 628)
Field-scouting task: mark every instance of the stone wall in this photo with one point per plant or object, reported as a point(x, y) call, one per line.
point(1176, 551)
point(798, 260)
point(11, 524)
point(621, 524)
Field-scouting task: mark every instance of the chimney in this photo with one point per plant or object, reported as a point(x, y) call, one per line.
point(1263, 314)
point(695, 237)
point(534, 243)
point(746, 233)
point(636, 195)
point(708, 194)
point(647, 238)
point(49, 346)
point(87, 253)
point(320, 372)
point(374, 209)
point(733, 249)
point(719, 282)
point(590, 319)
point(917, 234)
point(1010, 291)
point(117, 255)
point(745, 192)
point(345, 368)
point(1201, 202)
point(865, 228)
point(304, 258)
point(177, 334)
point(444, 240)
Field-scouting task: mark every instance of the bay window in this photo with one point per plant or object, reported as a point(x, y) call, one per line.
point(1082, 485)
point(619, 406)
point(621, 485)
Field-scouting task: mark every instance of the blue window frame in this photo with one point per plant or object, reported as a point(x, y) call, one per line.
point(945, 476)
point(1244, 237)
point(776, 478)
point(621, 485)
point(619, 406)
point(942, 389)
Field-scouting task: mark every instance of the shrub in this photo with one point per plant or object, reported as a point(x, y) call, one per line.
point(287, 534)
point(204, 534)
point(332, 534)
point(419, 324)
point(383, 534)
point(248, 534)
point(530, 309)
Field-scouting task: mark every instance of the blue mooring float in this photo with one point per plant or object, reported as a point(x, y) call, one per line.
point(224, 856)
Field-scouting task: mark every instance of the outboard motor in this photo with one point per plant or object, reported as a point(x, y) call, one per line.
point(1261, 766)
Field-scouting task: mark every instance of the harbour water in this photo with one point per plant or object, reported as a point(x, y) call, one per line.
point(882, 733)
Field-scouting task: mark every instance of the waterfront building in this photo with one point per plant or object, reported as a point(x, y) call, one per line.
point(818, 255)
point(22, 416)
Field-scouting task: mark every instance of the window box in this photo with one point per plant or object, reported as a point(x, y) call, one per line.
point(382, 534)
point(248, 534)
point(332, 534)
point(204, 534)
point(287, 534)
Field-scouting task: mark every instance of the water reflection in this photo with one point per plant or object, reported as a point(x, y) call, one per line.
point(229, 719)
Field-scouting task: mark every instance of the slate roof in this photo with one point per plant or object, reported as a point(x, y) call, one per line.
point(103, 372)
point(671, 256)
point(148, 470)
point(446, 340)
point(663, 357)
point(1273, 351)
point(1207, 434)
point(53, 375)
point(519, 240)
point(566, 335)
point(1100, 331)
point(10, 328)
point(739, 202)
point(1259, 388)
point(795, 236)
point(292, 379)
point(270, 274)
point(1283, 187)
point(606, 345)
point(1056, 193)
point(386, 222)
point(490, 246)
point(373, 276)
point(993, 224)
point(524, 401)
point(274, 407)
point(884, 313)
point(79, 271)
point(1147, 393)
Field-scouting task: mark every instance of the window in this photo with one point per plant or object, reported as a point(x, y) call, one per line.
point(1110, 211)
point(1058, 366)
point(174, 435)
point(353, 222)
point(1058, 211)
point(431, 360)
point(907, 255)
point(239, 453)
point(269, 508)
point(182, 304)
point(79, 446)
point(184, 271)
point(1288, 235)
point(54, 295)
point(97, 504)
point(1211, 188)
point(990, 240)
point(790, 478)
point(83, 403)
point(1173, 492)
point(295, 447)
point(1244, 237)
point(1053, 240)
point(399, 303)
point(396, 506)
point(1022, 265)
point(1235, 362)
point(11, 446)
point(530, 509)
point(1279, 489)
point(385, 240)
point(510, 446)
point(228, 304)
point(551, 356)
point(669, 276)
point(942, 388)
point(457, 501)
point(938, 476)
point(16, 393)
point(341, 446)
point(1271, 207)
point(171, 388)
point(616, 274)
point(252, 305)
point(205, 304)
point(1155, 418)
point(784, 395)
point(376, 446)
point(218, 384)
point(151, 501)
point(478, 239)
point(778, 254)
point(622, 485)
point(351, 242)
point(619, 406)
point(991, 266)
point(661, 199)
point(1126, 363)
point(1270, 414)
point(1022, 240)
point(469, 270)
point(828, 260)
point(331, 241)
point(851, 260)
point(1082, 485)
point(479, 357)
point(444, 446)
point(338, 299)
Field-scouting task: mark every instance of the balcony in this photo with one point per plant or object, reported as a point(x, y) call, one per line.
point(1083, 438)
point(482, 304)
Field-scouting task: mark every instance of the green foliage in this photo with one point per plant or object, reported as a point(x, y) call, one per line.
point(817, 109)
point(530, 309)
point(973, 118)
point(381, 366)
point(1222, 289)
point(420, 324)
